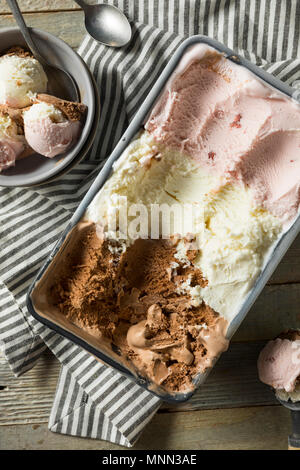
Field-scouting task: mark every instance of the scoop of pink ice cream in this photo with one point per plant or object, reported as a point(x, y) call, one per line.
point(279, 364)
point(9, 152)
point(48, 131)
point(49, 138)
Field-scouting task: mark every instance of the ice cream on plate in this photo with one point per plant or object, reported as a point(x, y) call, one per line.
point(177, 236)
point(31, 120)
point(21, 75)
point(279, 365)
point(52, 125)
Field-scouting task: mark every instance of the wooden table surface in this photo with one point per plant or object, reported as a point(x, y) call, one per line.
point(233, 410)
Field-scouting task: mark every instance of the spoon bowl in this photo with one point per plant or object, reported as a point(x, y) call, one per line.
point(294, 407)
point(106, 24)
point(60, 83)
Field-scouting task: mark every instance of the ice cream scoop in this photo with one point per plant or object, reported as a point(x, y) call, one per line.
point(20, 76)
point(12, 142)
point(279, 366)
point(52, 126)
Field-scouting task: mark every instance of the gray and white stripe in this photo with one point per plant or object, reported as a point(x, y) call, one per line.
point(92, 399)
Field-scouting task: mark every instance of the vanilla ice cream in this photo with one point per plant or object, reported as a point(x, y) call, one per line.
point(48, 131)
point(12, 143)
point(232, 248)
point(20, 78)
point(178, 234)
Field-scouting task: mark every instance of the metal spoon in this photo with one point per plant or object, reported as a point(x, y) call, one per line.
point(60, 83)
point(294, 438)
point(106, 24)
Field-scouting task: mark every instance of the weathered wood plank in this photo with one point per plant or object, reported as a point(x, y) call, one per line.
point(68, 26)
point(242, 428)
point(289, 267)
point(28, 399)
point(42, 5)
point(232, 383)
point(276, 309)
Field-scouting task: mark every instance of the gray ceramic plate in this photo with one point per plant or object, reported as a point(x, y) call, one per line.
point(37, 169)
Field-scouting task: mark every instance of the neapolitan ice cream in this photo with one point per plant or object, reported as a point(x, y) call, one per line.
point(172, 244)
point(52, 125)
point(279, 365)
point(20, 77)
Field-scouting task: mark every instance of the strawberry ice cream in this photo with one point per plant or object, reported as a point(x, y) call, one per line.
point(234, 125)
point(279, 362)
point(50, 128)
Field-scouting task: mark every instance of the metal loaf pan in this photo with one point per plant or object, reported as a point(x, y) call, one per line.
point(59, 324)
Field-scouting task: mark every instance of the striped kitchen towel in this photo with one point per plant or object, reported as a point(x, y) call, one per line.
point(92, 399)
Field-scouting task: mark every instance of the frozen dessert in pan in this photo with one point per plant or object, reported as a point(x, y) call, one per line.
point(52, 125)
point(36, 122)
point(220, 150)
point(279, 365)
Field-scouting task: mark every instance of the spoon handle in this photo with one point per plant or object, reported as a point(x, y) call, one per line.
point(82, 4)
point(24, 29)
point(294, 439)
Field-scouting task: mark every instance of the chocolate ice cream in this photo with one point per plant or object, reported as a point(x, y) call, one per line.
point(130, 300)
